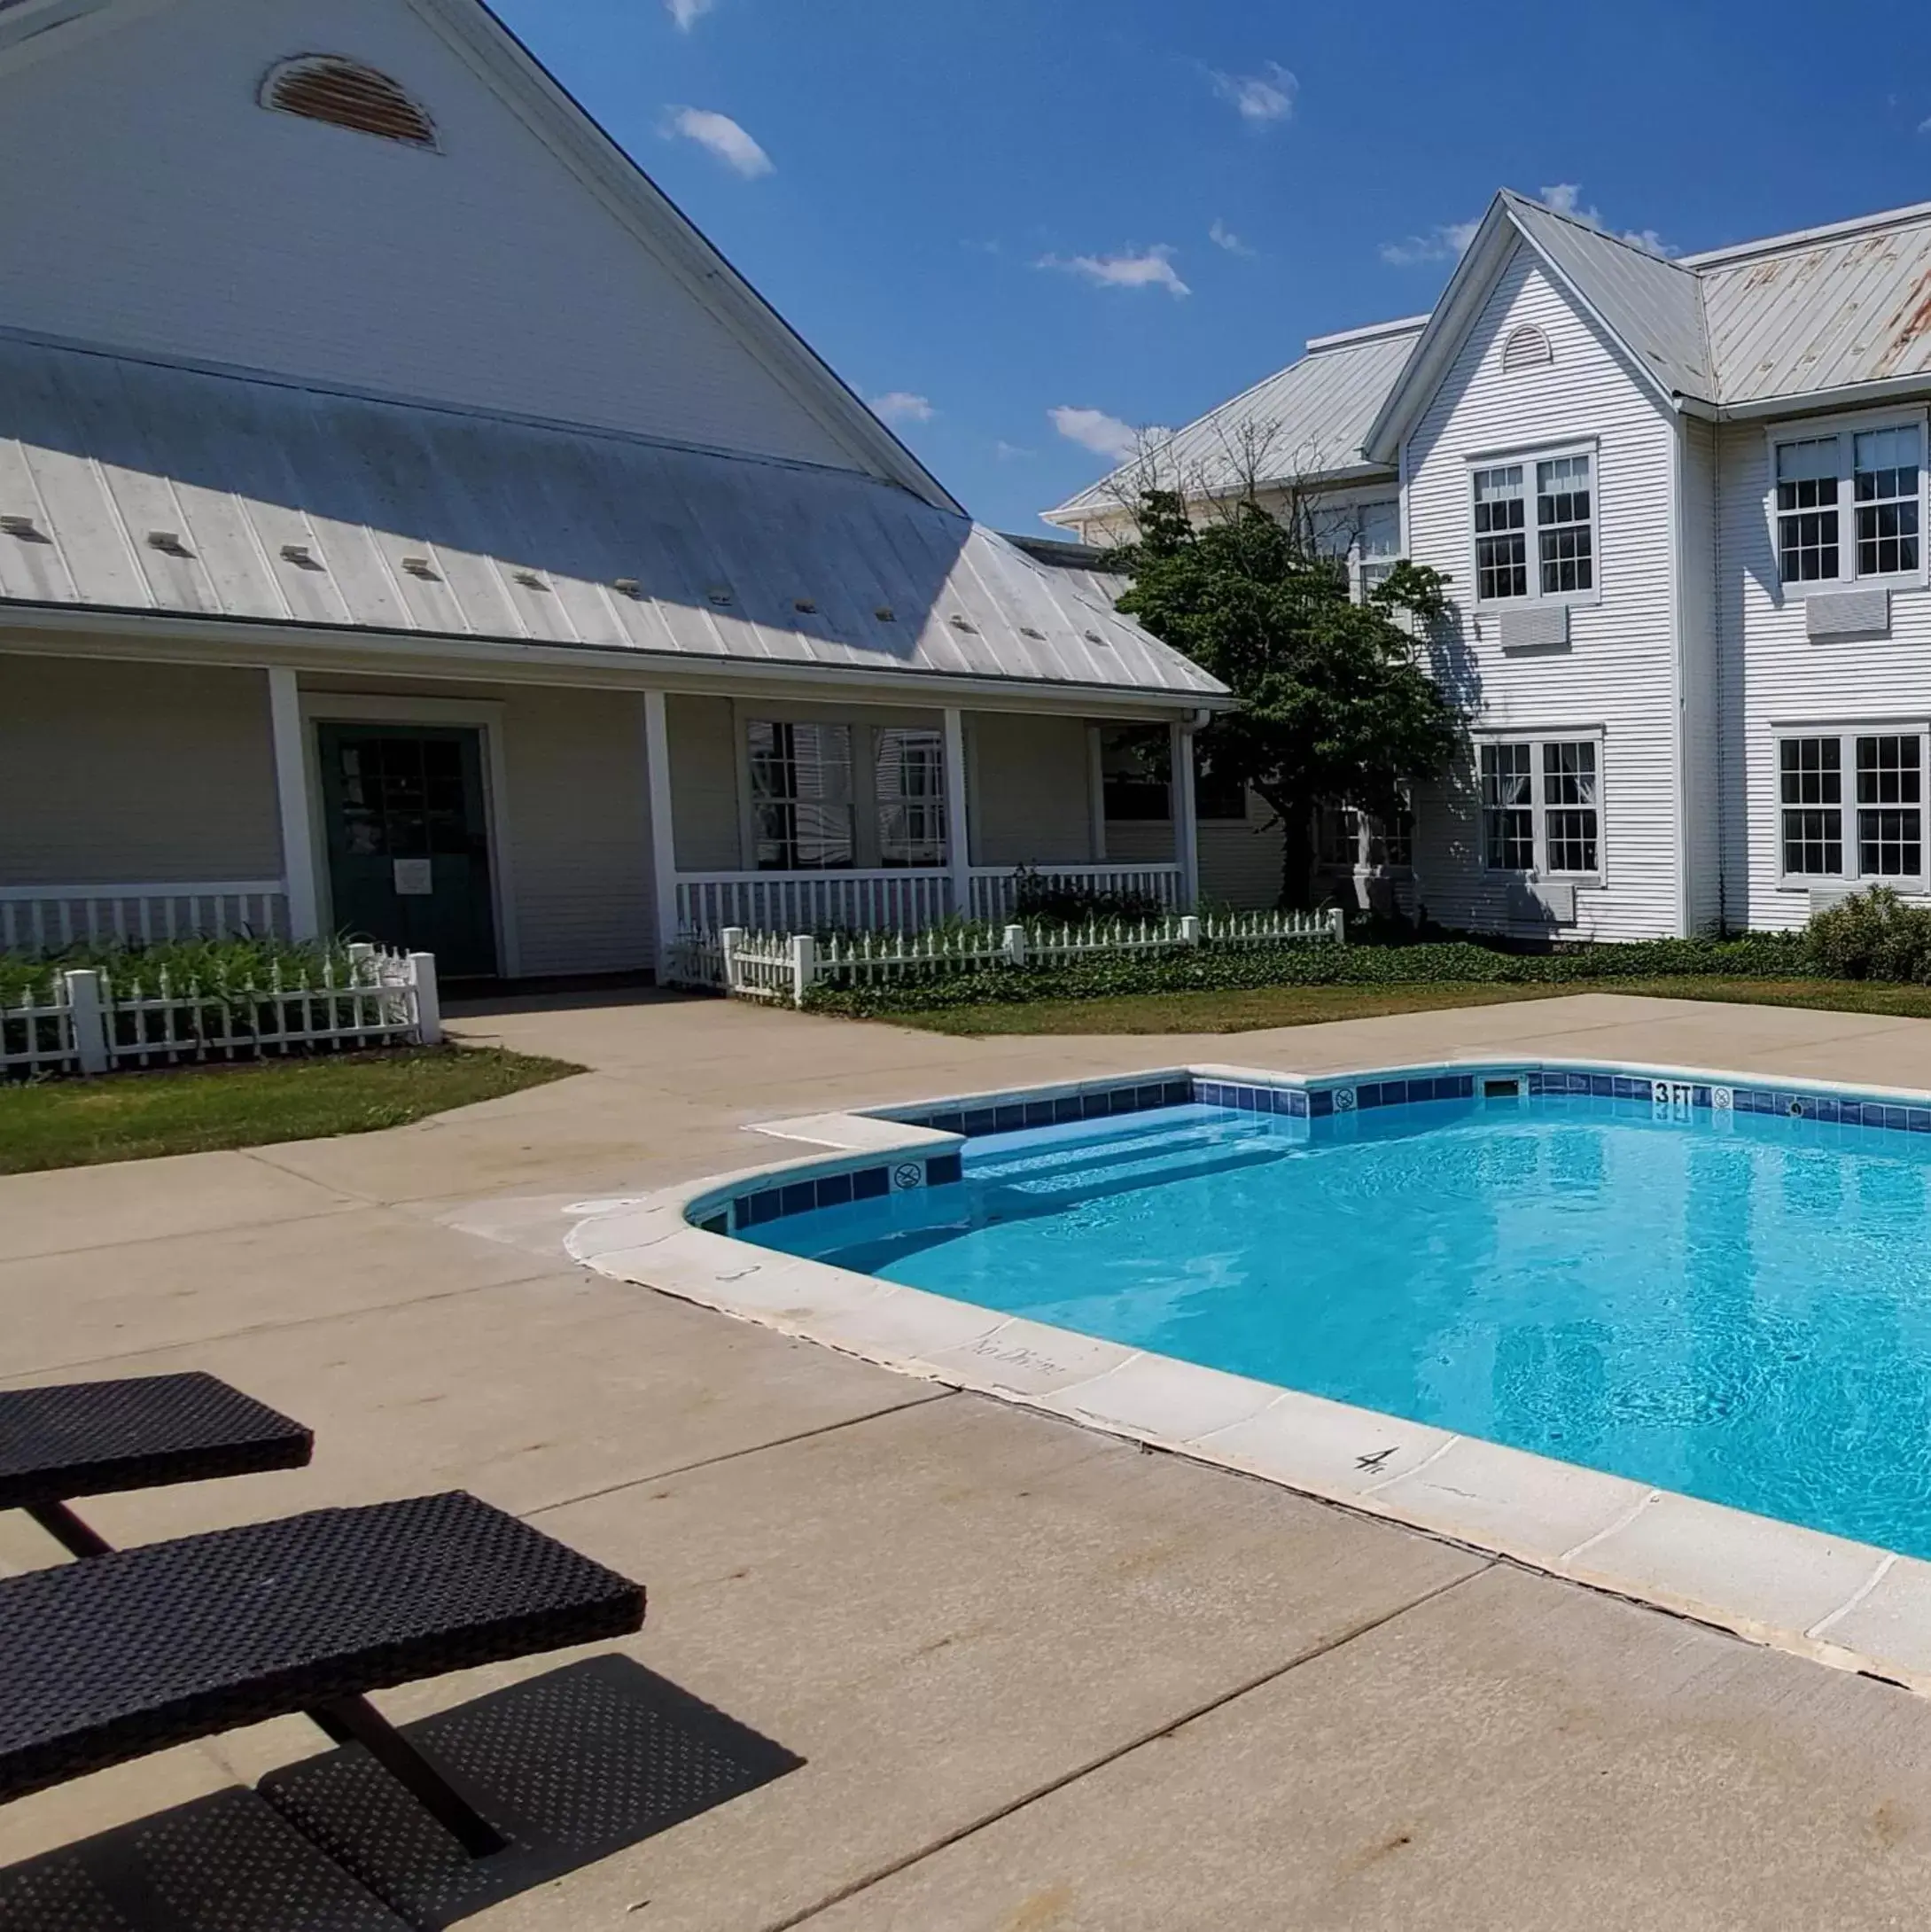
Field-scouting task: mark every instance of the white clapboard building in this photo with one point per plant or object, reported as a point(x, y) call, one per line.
point(1681, 503)
point(410, 524)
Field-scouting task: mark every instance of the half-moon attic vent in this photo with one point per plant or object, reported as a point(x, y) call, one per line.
point(345, 93)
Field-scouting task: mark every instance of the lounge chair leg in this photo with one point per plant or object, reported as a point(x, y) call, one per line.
point(67, 1530)
point(356, 1719)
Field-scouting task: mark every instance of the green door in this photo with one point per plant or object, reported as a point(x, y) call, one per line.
point(408, 840)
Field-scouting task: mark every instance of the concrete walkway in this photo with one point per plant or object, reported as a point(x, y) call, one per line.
point(1037, 1680)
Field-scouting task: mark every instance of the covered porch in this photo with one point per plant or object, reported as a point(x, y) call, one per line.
point(536, 828)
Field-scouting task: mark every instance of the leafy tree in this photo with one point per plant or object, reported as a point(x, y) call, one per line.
point(1336, 707)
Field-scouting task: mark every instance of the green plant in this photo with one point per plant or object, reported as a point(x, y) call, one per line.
point(1209, 968)
point(1039, 898)
point(215, 964)
point(1872, 935)
point(1337, 702)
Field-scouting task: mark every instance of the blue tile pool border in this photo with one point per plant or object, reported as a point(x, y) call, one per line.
point(1321, 1098)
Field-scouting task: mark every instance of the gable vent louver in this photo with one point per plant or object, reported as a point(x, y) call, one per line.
point(346, 94)
point(1527, 348)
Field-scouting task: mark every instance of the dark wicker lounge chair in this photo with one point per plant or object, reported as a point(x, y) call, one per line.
point(132, 1650)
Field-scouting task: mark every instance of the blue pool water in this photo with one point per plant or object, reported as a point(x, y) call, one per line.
point(1736, 1306)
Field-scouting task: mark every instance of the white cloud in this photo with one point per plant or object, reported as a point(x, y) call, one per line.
point(1223, 237)
point(1924, 126)
point(1151, 267)
point(1446, 242)
point(1094, 429)
point(722, 137)
point(687, 12)
point(1008, 452)
point(1258, 98)
point(1566, 197)
point(902, 406)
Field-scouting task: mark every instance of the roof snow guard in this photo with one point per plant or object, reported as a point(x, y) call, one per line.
point(169, 494)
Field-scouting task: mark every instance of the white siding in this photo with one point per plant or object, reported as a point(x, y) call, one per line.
point(703, 782)
point(1773, 675)
point(170, 214)
point(1240, 859)
point(1028, 790)
point(580, 830)
point(1619, 674)
point(117, 773)
point(1702, 773)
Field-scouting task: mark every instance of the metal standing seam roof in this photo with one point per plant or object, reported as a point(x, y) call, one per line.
point(1310, 417)
point(1821, 315)
point(1650, 304)
point(1779, 320)
point(130, 485)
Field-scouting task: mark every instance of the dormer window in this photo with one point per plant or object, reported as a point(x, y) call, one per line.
point(347, 94)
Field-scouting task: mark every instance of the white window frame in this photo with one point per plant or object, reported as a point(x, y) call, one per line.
point(1363, 836)
point(1847, 807)
point(1499, 459)
point(865, 728)
point(1846, 429)
point(1538, 805)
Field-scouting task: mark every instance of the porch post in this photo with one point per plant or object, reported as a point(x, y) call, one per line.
point(657, 765)
point(1186, 827)
point(958, 828)
point(292, 804)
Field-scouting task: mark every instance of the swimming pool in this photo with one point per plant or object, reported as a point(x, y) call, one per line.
point(1720, 1290)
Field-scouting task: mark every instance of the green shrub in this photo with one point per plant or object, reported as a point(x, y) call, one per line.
point(1874, 935)
point(1210, 970)
point(215, 963)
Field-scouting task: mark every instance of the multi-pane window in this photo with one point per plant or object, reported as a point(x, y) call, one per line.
point(801, 796)
point(1890, 808)
point(836, 794)
point(1853, 805)
point(1378, 544)
point(1501, 537)
point(1879, 475)
point(1535, 528)
point(1807, 509)
point(1884, 488)
point(1811, 782)
point(1569, 807)
point(1353, 841)
point(1542, 806)
point(1564, 532)
point(909, 786)
point(1508, 817)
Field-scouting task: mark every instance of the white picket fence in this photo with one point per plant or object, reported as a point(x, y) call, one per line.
point(784, 967)
point(81, 1021)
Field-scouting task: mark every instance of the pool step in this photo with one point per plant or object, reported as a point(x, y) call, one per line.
point(1042, 1193)
point(1099, 1153)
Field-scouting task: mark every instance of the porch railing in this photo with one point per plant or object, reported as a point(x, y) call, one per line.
point(49, 918)
point(995, 888)
point(904, 900)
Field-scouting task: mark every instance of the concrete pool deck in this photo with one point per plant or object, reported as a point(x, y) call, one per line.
point(1037, 1679)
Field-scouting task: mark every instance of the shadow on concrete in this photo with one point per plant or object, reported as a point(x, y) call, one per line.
point(228, 1862)
point(573, 1766)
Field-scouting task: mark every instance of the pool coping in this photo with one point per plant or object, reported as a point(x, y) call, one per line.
point(1846, 1604)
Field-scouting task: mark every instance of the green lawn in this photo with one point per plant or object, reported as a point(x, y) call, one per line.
point(1244, 1011)
point(190, 1111)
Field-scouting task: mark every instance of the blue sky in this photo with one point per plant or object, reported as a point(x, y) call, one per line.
point(1030, 223)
